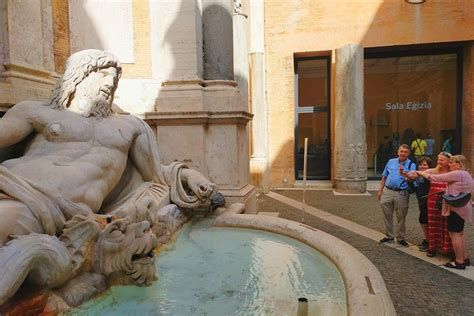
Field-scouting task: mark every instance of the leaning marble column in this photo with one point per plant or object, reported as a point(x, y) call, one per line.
point(350, 143)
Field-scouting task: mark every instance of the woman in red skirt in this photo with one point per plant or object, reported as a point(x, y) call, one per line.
point(438, 235)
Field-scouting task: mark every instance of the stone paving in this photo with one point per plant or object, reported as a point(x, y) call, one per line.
point(365, 210)
point(416, 287)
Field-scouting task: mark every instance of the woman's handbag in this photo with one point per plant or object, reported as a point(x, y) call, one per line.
point(459, 200)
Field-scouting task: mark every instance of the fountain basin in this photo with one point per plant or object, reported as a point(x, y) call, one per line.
point(230, 271)
point(249, 267)
point(365, 288)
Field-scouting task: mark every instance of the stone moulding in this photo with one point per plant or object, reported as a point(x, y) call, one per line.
point(198, 117)
point(28, 73)
point(365, 288)
point(202, 83)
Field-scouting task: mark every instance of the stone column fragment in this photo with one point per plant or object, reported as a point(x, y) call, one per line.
point(350, 142)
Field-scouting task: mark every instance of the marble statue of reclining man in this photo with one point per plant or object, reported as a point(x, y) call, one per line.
point(80, 157)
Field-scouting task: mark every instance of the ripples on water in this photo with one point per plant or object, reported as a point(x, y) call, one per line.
point(224, 271)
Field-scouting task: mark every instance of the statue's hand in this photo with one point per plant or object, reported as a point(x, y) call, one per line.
point(198, 184)
point(204, 190)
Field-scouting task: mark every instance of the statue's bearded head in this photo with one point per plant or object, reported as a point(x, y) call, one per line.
point(88, 84)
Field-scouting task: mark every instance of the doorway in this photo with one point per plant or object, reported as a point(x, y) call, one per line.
point(312, 117)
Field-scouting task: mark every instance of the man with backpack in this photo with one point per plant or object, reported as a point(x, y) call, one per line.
point(418, 146)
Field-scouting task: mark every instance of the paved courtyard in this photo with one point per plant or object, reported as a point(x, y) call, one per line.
point(416, 287)
point(365, 210)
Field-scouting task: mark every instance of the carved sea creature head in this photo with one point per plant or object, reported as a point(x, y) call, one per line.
point(79, 66)
point(127, 248)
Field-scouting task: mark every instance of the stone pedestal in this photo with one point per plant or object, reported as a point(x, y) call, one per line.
point(350, 142)
point(205, 126)
point(200, 117)
point(26, 51)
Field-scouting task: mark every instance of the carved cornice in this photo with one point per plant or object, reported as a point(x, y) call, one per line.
point(182, 82)
point(198, 118)
point(28, 73)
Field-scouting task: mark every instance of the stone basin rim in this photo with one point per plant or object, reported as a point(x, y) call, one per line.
point(366, 292)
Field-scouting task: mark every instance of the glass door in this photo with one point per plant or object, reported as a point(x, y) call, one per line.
point(312, 117)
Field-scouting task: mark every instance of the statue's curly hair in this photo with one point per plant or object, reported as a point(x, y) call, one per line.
point(78, 66)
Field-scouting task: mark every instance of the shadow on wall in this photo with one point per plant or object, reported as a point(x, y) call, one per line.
point(82, 28)
point(218, 44)
point(213, 46)
point(181, 45)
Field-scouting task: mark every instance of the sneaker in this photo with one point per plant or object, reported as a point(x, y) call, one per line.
point(423, 246)
point(403, 243)
point(431, 253)
point(386, 239)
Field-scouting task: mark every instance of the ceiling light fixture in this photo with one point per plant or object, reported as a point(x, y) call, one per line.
point(415, 1)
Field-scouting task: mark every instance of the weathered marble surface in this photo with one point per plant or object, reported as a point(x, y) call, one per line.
point(91, 177)
point(350, 144)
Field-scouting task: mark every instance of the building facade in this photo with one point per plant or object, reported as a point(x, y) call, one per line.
point(414, 63)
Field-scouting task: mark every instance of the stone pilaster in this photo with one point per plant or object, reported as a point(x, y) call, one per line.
point(241, 59)
point(27, 58)
point(259, 154)
point(350, 141)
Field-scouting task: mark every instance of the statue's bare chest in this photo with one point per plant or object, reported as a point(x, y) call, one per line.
point(106, 132)
point(68, 130)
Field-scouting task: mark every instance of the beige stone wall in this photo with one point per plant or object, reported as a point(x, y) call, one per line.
point(141, 68)
point(298, 26)
point(61, 34)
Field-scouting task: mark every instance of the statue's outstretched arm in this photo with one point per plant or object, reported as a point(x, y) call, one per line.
point(144, 155)
point(15, 125)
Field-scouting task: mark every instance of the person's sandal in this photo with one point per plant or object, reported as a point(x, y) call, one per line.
point(386, 239)
point(403, 243)
point(455, 265)
point(431, 253)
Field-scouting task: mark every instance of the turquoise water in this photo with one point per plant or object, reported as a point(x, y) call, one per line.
point(230, 271)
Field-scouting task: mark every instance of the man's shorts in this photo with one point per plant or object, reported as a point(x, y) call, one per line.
point(455, 223)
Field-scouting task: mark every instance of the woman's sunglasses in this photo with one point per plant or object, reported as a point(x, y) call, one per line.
point(446, 154)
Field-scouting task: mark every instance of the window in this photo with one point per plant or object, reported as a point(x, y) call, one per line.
point(413, 100)
point(312, 117)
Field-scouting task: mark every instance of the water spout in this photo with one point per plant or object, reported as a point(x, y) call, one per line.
point(302, 307)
